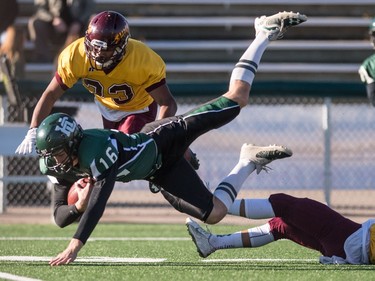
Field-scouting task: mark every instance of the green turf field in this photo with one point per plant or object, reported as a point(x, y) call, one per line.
point(157, 252)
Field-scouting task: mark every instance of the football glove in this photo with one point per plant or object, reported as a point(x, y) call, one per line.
point(28, 143)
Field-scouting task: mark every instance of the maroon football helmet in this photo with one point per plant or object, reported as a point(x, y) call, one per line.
point(105, 40)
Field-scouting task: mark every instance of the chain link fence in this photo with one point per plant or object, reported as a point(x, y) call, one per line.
point(331, 139)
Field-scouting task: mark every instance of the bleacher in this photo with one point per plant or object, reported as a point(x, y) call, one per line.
point(201, 40)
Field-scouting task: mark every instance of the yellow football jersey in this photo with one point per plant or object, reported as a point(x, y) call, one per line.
point(125, 87)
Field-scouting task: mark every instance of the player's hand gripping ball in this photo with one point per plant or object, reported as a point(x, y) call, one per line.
point(79, 184)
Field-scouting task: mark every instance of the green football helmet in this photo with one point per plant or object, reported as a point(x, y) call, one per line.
point(372, 32)
point(58, 133)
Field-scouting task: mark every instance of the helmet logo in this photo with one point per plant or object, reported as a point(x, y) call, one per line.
point(99, 44)
point(119, 36)
point(67, 127)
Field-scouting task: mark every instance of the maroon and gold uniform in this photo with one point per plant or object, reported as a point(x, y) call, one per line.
point(125, 88)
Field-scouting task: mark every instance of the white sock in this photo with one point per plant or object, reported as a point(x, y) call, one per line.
point(228, 189)
point(248, 64)
point(250, 238)
point(229, 241)
point(252, 208)
point(260, 236)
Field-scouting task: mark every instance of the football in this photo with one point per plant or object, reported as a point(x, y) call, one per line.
point(72, 194)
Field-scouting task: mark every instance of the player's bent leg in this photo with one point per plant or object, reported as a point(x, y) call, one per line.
point(328, 228)
point(178, 132)
point(182, 206)
point(239, 92)
point(267, 29)
point(211, 115)
point(184, 189)
point(251, 158)
point(252, 208)
point(282, 230)
point(219, 211)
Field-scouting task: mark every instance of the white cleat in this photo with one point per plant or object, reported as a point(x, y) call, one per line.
point(201, 238)
point(275, 26)
point(263, 155)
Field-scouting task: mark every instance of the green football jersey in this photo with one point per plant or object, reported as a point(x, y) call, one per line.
point(367, 70)
point(135, 156)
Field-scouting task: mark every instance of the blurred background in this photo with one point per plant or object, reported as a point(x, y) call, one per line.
point(307, 95)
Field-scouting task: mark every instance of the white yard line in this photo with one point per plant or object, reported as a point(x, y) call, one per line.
point(83, 260)
point(261, 260)
point(7, 276)
point(143, 260)
point(96, 238)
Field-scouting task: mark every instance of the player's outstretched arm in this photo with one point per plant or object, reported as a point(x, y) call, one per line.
point(43, 108)
point(69, 254)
